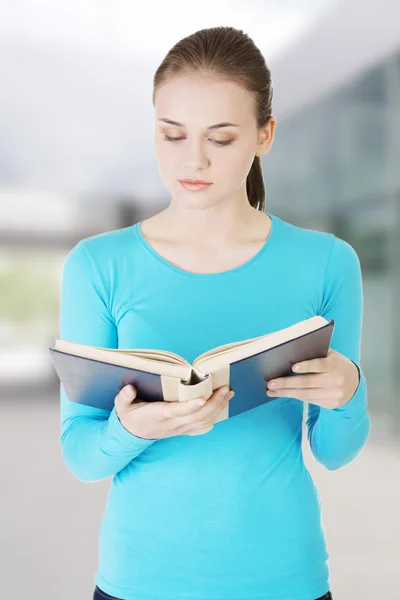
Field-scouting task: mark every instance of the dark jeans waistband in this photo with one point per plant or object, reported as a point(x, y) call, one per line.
point(98, 594)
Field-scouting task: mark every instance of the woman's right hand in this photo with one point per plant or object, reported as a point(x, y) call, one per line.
point(156, 420)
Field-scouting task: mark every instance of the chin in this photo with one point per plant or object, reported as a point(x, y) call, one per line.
point(194, 200)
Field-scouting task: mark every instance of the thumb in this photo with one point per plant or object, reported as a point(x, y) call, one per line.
point(126, 394)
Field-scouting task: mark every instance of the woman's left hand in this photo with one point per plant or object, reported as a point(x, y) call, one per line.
point(330, 382)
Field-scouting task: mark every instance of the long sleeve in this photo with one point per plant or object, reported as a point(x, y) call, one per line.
point(94, 443)
point(336, 436)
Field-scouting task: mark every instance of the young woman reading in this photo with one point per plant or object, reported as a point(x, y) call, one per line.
point(199, 510)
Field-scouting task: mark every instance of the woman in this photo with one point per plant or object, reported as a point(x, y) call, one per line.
point(197, 511)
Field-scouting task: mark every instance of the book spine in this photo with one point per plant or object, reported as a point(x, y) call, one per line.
point(175, 389)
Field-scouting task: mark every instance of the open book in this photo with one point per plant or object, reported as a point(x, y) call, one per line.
point(93, 375)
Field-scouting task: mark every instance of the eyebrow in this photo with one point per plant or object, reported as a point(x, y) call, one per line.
point(217, 126)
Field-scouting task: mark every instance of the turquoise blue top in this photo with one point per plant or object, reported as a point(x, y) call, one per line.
point(232, 514)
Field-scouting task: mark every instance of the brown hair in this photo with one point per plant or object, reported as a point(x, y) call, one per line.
point(229, 53)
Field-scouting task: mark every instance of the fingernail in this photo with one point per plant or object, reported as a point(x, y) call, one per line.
point(230, 396)
point(128, 391)
point(224, 390)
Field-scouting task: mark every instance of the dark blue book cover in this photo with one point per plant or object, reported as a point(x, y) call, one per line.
point(96, 383)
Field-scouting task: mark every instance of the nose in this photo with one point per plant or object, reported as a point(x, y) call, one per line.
point(196, 157)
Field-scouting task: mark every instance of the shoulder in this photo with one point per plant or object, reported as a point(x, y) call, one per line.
point(316, 246)
point(102, 249)
point(303, 238)
point(109, 243)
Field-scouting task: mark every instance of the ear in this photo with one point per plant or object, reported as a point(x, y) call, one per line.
point(266, 137)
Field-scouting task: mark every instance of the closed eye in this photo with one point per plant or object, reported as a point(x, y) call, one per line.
point(167, 138)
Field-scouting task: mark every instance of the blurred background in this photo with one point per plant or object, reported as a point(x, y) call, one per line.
point(76, 159)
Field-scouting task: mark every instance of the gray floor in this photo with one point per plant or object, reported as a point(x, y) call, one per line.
point(49, 520)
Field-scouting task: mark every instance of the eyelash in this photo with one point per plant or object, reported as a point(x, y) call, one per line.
point(167, 138)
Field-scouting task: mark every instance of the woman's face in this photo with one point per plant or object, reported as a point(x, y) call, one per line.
point(222, 155)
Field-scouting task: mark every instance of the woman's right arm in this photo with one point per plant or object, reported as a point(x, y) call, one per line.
point(94, 443)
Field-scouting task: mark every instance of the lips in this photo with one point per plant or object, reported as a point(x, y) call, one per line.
point(195, 181)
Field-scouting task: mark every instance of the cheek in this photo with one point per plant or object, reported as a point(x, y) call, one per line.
point(237, 166)
point(165, 158)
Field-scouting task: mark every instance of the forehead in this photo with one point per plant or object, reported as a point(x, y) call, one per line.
point(202, 101)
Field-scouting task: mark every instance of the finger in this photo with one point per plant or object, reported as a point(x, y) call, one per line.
point(212, 409)
point(217, 401)
point(181, 408)
point(204, 425)
point(125, 396)
point(315, 365)
point(318, 396)
point(302, 381)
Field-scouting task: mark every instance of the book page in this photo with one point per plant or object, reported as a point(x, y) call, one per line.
point(216, 358)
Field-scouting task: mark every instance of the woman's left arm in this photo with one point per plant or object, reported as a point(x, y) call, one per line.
point(335, 388)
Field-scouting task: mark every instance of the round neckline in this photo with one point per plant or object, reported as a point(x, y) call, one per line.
point(190, 274)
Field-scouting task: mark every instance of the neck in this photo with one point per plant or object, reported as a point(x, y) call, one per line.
point(230, 222)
